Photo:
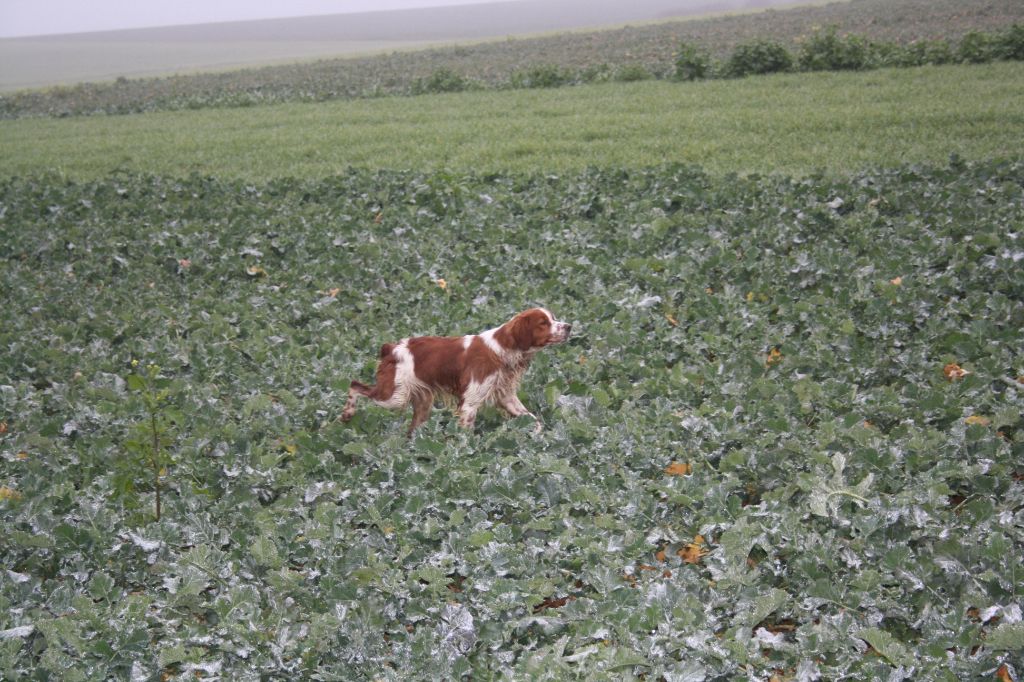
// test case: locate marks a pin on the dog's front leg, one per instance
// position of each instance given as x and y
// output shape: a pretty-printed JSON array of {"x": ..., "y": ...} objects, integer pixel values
[{"x": 514, "y": 407}]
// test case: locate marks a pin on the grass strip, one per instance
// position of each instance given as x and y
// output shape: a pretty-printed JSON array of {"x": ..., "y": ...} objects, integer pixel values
[{"x": 791, "y": 123}]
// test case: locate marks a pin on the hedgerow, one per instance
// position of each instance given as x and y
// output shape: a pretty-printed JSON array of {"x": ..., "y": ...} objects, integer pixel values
[{"x": 828, "y": 51}]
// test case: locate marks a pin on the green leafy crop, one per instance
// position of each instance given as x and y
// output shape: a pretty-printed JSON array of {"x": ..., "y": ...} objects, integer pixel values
[{"x": 785, "y": 440}]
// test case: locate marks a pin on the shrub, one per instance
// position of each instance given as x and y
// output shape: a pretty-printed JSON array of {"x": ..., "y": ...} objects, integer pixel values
[
  {"x": 926, "y": 52},
  {"x": 541, "y": 76},
  {"x": 758, "y": 57},
  {"x": 692, "y": 63},
  {"x": 828, "y": 52},
  {"x": 975, "y": 48},
  {"x": 1010, "y": 44},
  {"x": 632, "y": 72},
  {"x": 442, "y": 80},
  {"x": 596, "y": 73}
]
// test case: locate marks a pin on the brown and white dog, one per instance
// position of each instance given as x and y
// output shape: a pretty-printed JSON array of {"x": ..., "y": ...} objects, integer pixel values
[{"x": 475, "y": 370}]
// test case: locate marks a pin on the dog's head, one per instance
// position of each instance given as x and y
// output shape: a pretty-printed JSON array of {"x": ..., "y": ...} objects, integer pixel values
[{"x": 535, "y": 328}]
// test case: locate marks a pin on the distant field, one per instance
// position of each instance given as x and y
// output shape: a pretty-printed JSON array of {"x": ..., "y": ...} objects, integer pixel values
[
  {"x": 104, "y": 56},
  {"x": 788, "y": 124},
  {"x": 652, "y": 47},
  {"x": 37, "y": 63}
]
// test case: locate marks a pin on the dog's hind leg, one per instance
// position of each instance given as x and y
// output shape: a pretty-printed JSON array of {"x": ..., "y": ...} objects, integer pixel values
[{"x": 422, "y": 402}]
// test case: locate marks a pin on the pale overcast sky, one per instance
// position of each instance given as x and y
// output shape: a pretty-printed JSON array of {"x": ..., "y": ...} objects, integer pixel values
[{"x": 41, "y": 17}]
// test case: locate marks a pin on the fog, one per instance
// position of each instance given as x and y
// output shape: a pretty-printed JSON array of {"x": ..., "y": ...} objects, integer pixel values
[{"x": 49, "y": 17}]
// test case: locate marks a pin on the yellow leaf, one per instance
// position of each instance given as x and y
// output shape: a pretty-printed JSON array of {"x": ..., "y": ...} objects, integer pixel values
[
  {"x": 671, "y": 320},
  {"x": 978, "y": 419},
  {"x": 443, "y": 284},
  {"x": 896, "y": 281},
  {"x": 679, "y": 469},
  {"x": 9, "y": 493},
  {"x": 255, "y": 271},
  {"x": 774, "y": 357},
  {"x": 22, "y": 456},
  {"x": 693, "y": 552},
  {"x": 291, "y": 448},
  {"x": 333, "y": 293},
  {"x": 750, "y": 296}
]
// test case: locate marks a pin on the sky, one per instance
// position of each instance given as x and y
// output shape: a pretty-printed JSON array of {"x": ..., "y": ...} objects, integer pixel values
[{"x": 44, "y": 17}]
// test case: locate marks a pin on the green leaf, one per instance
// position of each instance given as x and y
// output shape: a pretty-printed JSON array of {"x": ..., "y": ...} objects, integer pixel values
[
  {"x": 1006, "y": 637},
  {"x": 264, "y": 550},
  {"x": 886, "y": 645},
  {"x": 765, "y": 605},
  {"x": 737, "y": 542},
  {"x": 172, "y": 655}
]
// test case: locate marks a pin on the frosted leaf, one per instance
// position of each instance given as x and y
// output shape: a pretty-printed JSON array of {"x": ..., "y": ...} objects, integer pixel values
[
  {"x": 649, "y": 302},
  {"x": 456, "y": 630},
  {"x": 144, "y": 544},
  {"x": 23, "y": 631},
  {"x": 18, "y": 577},
  {"x": 770, "y": 640}
]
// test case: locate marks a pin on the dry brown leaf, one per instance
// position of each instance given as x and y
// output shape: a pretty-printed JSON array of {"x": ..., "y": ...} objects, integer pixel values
[
  {"x": 978, "y": 419},
  {"x": 679, "y": 469},
  {"x": 692, "y": 552}
]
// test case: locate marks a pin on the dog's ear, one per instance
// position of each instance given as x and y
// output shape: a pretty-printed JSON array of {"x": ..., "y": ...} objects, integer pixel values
[
  {"x": 524, "y": 329},
  {"x": 522, "y": 332}
]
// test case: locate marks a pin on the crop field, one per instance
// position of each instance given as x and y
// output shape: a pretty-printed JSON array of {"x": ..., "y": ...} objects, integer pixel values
[{"x": 784, "y": 443}]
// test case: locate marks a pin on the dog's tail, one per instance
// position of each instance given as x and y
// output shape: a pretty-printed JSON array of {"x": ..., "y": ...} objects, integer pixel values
[
  {"x": 360, "y": 388},
  {"x": 356, "y": 389}
]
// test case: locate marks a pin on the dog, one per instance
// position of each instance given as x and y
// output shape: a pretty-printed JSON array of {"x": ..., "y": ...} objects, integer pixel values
[{"x": 474, "y": 370}]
